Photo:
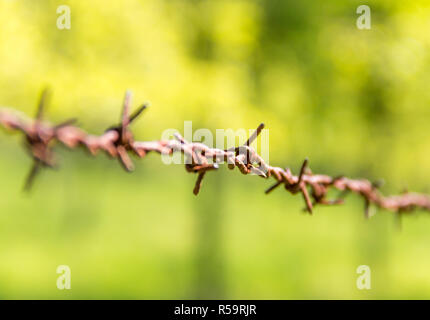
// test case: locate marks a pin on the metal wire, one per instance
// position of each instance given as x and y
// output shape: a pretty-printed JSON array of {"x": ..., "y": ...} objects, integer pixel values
[{"x": 118, "y": 142}]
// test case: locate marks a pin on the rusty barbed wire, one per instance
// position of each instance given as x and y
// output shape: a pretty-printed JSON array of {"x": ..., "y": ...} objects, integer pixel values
[{"x": 118, "y": 141}]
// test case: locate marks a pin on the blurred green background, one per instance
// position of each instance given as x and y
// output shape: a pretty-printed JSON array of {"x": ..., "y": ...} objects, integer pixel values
[{"x": 356, "y": 102}]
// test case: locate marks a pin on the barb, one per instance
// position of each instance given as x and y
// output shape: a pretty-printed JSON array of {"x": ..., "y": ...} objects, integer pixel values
[{"x": 118, "y": 142}]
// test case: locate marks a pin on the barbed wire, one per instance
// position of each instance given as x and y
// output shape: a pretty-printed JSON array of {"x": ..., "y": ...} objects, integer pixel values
[{"x": 118, "y": 142}]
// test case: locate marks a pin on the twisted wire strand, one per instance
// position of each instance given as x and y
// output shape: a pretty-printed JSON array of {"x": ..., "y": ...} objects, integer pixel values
[{"x": 118, "y": 142}]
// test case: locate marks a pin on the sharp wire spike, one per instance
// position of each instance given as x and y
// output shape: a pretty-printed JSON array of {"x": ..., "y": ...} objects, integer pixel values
[
  {"x": 254, "y": 135},
  {"x": 366, "y": 208},
  {"x": 302, "y": 170},
  {"x": 125, "y": 120},
  {"x": 35, "y": 168},
  {"x": 179, "y": 138},
  {"x": 125, "y": 158},
  {"x": 198, "y": 184},
  {"x": 65, "y": 123},
  {"x": 273, "y": 187},
  {"x": 137, "y": 113},
  {"x": 307, "y": 199},
  {"x": 42, "y": 103}
]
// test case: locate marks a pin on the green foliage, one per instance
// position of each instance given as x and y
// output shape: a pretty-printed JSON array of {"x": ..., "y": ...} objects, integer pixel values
[{"x": 354, "y": 101}]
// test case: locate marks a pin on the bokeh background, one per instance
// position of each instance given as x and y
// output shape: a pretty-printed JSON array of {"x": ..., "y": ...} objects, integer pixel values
[{"x": 356, "y": 102}]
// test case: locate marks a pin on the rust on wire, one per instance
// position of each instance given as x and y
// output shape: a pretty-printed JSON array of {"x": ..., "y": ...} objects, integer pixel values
[{"x": 118, "y": 142}]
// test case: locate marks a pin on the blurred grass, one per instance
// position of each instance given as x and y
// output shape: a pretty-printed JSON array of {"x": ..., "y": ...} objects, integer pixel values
[
  {"x": 355, "y": 102},
  {"x": 134, "y": 236}
]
